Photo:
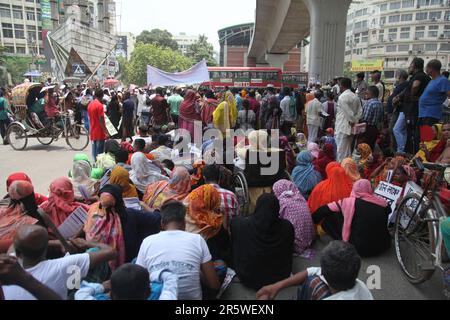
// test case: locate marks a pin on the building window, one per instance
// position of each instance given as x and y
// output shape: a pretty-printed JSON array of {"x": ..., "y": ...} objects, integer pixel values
[
  {"x": 382, "y": 21},
  {"x": 392, "y": 48},
  {"x": 383, "y": 7},
  {"x": 30, "y": 14},
  {"x": 421, "y": 16},
  {"x": 433, "y": 31},
  {"x": 365, "y": 37},
  {"x": 389, "y": 74},
  {"x": 419, "y": 35},
  {"x": 405, "y": 33},
  {"x": 445, "y": 47},
  {"x": 31, "y": 33},
  {"x": 17, "y": 13},
  {"x": 7, "y": 30},
  {"x": 435, "y": 15},
  {"x": 392, "y": 34},
  {"x": 19, "y": 31},
  {"x": 419, "y": 47},
  {"x": 393, "y": 19},
  {"x": 447, "y": 31},
  {"x": 403, "y": 47},
  {"x": 395, "y": 5},
  {"x": 431, "y": 47},
  {"x": 5, "y": 11},
  {"x": 407, "y": 17},
  {"x": 407, "y": 3},
  {"x": 447, "y": 16},
  {"x": 20, "y": 50}
]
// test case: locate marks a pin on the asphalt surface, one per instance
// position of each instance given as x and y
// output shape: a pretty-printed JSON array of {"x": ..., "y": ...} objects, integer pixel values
[{"x": 45, "y": 163}]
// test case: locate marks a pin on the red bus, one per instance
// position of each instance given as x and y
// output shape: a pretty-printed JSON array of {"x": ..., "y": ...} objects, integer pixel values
[
  {"x": 222, "y": 77},
  {"x": 244, "y": 77}
]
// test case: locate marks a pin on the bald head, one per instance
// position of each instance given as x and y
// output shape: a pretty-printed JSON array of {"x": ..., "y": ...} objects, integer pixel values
[{"x": 31, "y": 242}]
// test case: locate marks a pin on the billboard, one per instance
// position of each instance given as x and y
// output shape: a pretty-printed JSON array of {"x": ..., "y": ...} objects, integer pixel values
[
  {"x": 367, "y": 65},
  {"x": 46, "y": 15},
  {"x": 122, "y": 47}
]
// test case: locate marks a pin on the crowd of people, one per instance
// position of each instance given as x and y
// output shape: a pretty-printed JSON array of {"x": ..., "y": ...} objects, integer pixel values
[{"x": 165, "y": 222}]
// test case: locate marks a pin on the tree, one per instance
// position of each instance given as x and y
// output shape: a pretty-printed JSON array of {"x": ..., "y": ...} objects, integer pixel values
[
  {"x": 162, "y": 38},
  {"x": 166, "y": 59},
  {"x": 17, "y": 66},
  {"x": 202, "y": 49}
]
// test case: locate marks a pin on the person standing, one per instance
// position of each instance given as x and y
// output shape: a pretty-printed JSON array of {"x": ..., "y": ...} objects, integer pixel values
[
  {"x": 398, "y": 123},
  {"x": 160, "y": 109},
  {"x": 361, "y": 86},
  {"x": 313, "y": 112},
  {"x": 432, "y": 100},
  {"x": 238, "y": 98},
  {"x": 372, "y": 116},
  {"x": 99, "y": 134},
  {"x": 4, "y": 118},
  {"x": 174, "y": 102},
  {"x": 265, "y": 105},
  {"x": 376, "y": 79},
  {"x": 127, "y": 116},
  {"x": 289, "y": 107},
  {"x": 113, "y": 111},
  {"x": 336, "y": 89},
  {"x": 349, "y": 112},
  {"x": 255, "y": 105},
  {"x": 410, "y": 102},
  {"x": 330, "y": 107}
]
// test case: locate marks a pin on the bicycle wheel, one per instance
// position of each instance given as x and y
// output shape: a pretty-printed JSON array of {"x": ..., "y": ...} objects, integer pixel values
[
  {"x": 77, "y": 138},
  {"x": 242, "y": 193},
  {"x": 17, "y": 137},
  {"x": 415, "y": 239}
]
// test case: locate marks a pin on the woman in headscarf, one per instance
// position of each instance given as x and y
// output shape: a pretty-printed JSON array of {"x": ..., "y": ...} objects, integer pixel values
[
  {"x": 225, "y": 115},
  {"x": 290, "y": 154},
  {"x": 273, "y": 114},
  {"x": 294, "y": 208},
  {"x": 19, "y": 209},
  {"x": 107, "y": 160},
  {"x": 262, "y": 245},
  {"x": 314, "y": 149},
  {"x": 113, "y": 111},
  {"x": 61, "y": 202},
  {"x": 177, "y": 188},
  {"x": 338, "y": 186},
  {"x": 305, "y": 177},
  {"x": 360, "y": 219},
  {"x": 121, "y": 177},
  {"x": 368, "y": 163},
  {"x": 144, "y": 172},
  {"x": 123, "y": 229},
  {"x": 209, "y": 106},
  {"x": 84, "y": 187},
  {"x": 432, "y": 150},
  {"x": 302, "y": 142},
  {"x": 326, "y": 156},
  {"x": 21, "y": 176},
  {"x": 351, "y": 169},
  {"x": 189, "y": 112}
]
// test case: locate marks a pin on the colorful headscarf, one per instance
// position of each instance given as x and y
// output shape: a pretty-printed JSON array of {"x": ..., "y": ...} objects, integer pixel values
[
  {"x": 144, "y": 172},
  {"x": 294, "y": 208},
  {"x": 120, "y": 176},
  {"x": 187, "y": 107},
  {"x": 203, "y": 205},
  {"x": 361, "y": 190},
  {"x": 314, "y": 149},
  {"x": 304, "y": 175},
  {"x": 61, "y": 202},
  {"x": 81, "y": 177},
  {"x": 177, "y": 188},
  {"x": 302, "y": 141},
  {"x": 338, "y": 186},
  {"x": 351, "y": 169},
  {"x": 366, "y": 154},
  {"x": 326, "y": 156},
  {"x": 226, "y": 113}
]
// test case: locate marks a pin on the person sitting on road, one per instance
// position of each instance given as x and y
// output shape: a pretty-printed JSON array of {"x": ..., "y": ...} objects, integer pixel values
[
  {"x": 31, "y": 244},
  {"x": 336, "y": 279},
  {"x": 163, "y": 152}
]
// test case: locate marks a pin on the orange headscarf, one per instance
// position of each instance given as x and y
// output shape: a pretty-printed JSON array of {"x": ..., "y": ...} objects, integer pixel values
[
  {"x": 121, "y": 177},
  {"x": 338, "y": 186},
  {"x": 202, "y": 211},
  {"x": 351, "y": 169}
]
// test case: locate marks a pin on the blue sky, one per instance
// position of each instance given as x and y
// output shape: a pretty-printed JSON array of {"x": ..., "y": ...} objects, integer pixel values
[{"x": 189, "y": 16}]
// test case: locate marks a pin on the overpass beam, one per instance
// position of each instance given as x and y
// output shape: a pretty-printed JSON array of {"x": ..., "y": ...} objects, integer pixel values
[
  {"x": 276, "y": 60},
  {"x": 328, "y": 28}
]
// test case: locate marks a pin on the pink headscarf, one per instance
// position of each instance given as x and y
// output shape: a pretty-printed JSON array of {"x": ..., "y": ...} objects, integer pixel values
[
  {"x": 362, "y": 189},
  {"x": 314, "y": 149},
  {"x": 61, "y": 202},
  {"x": 187, "y": 107}
]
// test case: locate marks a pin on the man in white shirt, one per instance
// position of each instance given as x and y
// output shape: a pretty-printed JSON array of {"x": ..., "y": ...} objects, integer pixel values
[
  {"x": 376, "y": 79},
  {"x": 349, "y": 112},
  {"x": 337, "y": 279},
  {"x": 313, "y": 112},
  {"x": 182, "y": 253},
  {"x": 30, "y": 244},
  {"x": 336, "y": 89}
]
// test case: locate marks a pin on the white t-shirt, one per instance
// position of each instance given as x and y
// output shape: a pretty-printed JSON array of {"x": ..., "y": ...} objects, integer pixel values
[
  {"x": 54, "y": 274},
  {"x": 359, "y": 291},
  {"x": 181, "y": 253}
]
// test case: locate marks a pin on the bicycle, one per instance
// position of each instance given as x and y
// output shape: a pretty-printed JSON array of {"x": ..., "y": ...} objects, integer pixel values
[{"x": 417, "y": 227}]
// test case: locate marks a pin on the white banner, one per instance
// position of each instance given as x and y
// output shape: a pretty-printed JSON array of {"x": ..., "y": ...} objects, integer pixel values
[{"x": 196, "y": 75}]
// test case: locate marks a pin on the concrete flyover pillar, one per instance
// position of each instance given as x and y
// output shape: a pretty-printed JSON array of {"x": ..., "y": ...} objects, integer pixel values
[
  {"x": 276, "y": 60},
  {"x": 328, "y": 27}
]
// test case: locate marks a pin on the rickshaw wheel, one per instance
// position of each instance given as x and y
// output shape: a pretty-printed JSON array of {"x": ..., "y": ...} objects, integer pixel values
[
  {"x": 45, "y": 141},
  {"x": 17, "y": 137}
]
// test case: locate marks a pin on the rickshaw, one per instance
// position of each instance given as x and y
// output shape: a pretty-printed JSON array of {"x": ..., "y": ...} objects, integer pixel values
[{"x": 28, "y": 125}]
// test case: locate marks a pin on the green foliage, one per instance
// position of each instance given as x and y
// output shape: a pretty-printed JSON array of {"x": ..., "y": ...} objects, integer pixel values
[
  {"x": 162, "y": 38},
  {"x": 2, "y": 57},
  {"x": 17, "y": 66},
  {"x": 135, "y": 71},
  {"x": 202, "y": 49}
]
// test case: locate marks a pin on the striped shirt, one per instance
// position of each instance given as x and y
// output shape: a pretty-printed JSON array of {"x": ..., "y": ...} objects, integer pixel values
[
  {"x": 229, "y": 205},
  {"x": 373, "y": 112}
]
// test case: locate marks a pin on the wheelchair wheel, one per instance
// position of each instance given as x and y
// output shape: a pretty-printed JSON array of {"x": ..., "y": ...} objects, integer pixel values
[{"x": 242, "y": 193}]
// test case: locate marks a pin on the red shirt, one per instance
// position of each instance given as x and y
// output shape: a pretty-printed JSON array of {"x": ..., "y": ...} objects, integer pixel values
[{"x": 95, "y": 110}]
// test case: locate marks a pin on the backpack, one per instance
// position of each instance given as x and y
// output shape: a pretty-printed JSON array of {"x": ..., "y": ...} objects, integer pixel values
[{"x": 293, "y": 108}]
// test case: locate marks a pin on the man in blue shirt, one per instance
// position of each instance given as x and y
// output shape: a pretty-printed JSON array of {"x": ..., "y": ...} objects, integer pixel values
[
  {"x": 239, "y": 100},
  {"x": 373, "y": 117},
  {"x": 431, "y": 101}
]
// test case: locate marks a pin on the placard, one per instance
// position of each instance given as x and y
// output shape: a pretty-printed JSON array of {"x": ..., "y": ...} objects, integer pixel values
[
  {"x": 74, "y": 224},
  {"x": 110, "y": 127},
  {"x": 391, "y": 193}
]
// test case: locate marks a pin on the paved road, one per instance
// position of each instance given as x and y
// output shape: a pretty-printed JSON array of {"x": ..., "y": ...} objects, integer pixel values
[{"x": 46, "y": 163}]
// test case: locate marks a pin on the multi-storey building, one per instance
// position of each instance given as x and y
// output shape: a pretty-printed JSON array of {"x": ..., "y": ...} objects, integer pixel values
[
  {"x": 397, "y": 31},
  {"x": 185, "y": 41}
]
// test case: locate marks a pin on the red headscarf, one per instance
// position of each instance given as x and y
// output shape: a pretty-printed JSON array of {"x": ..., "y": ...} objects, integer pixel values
[
  {"x": 21, "y": 176},
  {"x": 326, "y": 156},
  {"x": 338, "y": 186},
  {"x": 187, "y": 107},
  {"x": 61, "y": 202}
]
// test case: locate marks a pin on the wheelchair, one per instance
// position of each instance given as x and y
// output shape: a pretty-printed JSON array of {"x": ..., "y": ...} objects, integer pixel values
[{"x": 253, "y": 179}]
